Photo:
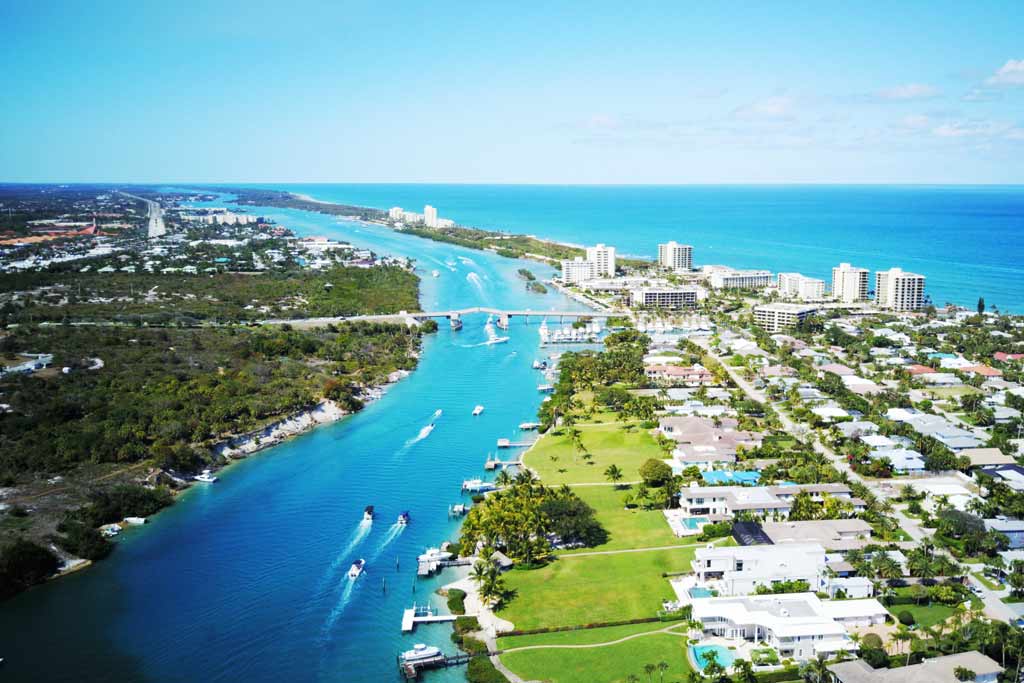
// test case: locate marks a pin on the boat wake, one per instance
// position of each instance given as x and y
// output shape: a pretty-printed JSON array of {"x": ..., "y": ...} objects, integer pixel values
[
  {"x": 394, "y": 532},
  {"x": 339, "y": 607},
  {"x": 475, "y": 280},
  {"x": 357, "y": 537},
  {"x": 437, "y": 414},
  {"x": 467, "y": 261}
]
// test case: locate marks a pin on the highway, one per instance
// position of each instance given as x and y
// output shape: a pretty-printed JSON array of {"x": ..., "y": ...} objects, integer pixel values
[{"x": 157, "y": 227}]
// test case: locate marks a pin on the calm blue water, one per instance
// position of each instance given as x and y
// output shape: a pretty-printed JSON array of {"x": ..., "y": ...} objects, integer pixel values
[
  {"x": 968, "y": 241},
  {"x": 245, "y": 579}
]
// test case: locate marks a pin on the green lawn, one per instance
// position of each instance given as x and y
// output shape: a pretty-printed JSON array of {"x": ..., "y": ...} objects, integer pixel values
[
  {"x": 926, "y": 615},
  {"x": 987, "y": 582},
  {"x": 626, "y": 528},
  {"x": 581, "y": 590},
  {"x": 606, "y": 443},
  {"x": 612, "y": 664},
  {"x": 952, "y": 392}
]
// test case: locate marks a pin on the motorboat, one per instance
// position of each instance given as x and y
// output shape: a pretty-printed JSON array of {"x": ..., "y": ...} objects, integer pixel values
[
  {"x": 528, "y": 426},
  {"x": 403, "y": 518},
  {"x": 478, "y": 410},
  {"x": 456, "y": 323},
  {"x": 420, "y": 652},
  {"x": 545, "y": 388},
  {"x": 206, "y": 477},
  {"x": 434, "y": 555},
  {"x": 368, "y": 513},
  {"x": 477, "y": 486},
  {"x": 356, "y": 569},
  {"x": 435, "y": 273}
]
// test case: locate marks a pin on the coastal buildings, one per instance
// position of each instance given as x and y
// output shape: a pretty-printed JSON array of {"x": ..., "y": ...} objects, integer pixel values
[
  {"x": 778, "y": 317},
  {"x": 740, "y": 570},
  {"x": 937, "y": 670},
  {"x": 578, "y": 271},
  {"x": 673, "y": 298},
  {"x": 680, "y": 375},
  {"x": 675, "y": 256},
  {"x": 797, "y": 286},
  {"x": 395, "y": 213},
  {"x": 899, "y": 290},
  {"x": 603, "y": 258},
  {"x": 849, "y": 284},
  {"x": 764, "y": 501},
  {"x": 430, "y": 216},
  {"x": 723, "y": 277}
]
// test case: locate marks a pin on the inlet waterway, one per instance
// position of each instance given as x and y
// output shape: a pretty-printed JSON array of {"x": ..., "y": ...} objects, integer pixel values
[{"x": 245, "y": 579}]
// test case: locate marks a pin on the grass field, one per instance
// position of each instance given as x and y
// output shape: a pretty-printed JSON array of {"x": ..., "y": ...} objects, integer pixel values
[
  {"x": 626, "y": 528},
  {"x": 612, "y": 663},
  {"x": 581, "y": 590},
  {"x": 608, "y": 444},
  {"x": 952, "y": 392}
]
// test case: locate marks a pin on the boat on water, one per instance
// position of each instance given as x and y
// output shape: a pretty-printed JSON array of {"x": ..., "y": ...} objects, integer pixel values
[
  {"x": 356, "y": 569},
  {"x": 545, "y": 388},
  {"x": 528, "y": 426},
  {"x": 435, "y": 273},
  {"x": 479, "y": 409},
  {"x": 456, "y": 323},
  {"x": 420, "y": 652},
  {"x": 403, "y": 518},
  {"x": 368, "y": 513},
  {"x": 540, "y": 365},
  {"x": 206, "y": 477},
  {"x": 477, "y": 486},
  {"x": 460, "y": 509},
  {"x": 437, "y": 413},
  {"x": 434, "y": 555}
]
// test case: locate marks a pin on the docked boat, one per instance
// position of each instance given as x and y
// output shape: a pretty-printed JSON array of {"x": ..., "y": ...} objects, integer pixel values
[
  {"x": 477, "y": 486},
  {"x": 368, "y": 513},
  {"x": 460, "y": 509},
  {"x": 403, "y": 518},
  {"x": 356, "y": 569},
  {"x": 478, "y": 410},
  {"x": 420, "y": 652},
  {"x": 456, "y": 323},
  {"x": 528, "y": 426},
  {"x": 536, "y": 365},
  {"x": 206, "y": 477},
  {"x": 545, "y": 388},
  {"x": 434, "y": 555}
]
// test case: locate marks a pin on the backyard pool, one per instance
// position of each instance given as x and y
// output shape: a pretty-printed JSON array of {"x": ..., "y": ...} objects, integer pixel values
[
  {"x": 693, "y": 522},
  {"x": 721, "y": 477},
  {"x": 700, "y": 592},
  {"x": 723, "y": 655}
]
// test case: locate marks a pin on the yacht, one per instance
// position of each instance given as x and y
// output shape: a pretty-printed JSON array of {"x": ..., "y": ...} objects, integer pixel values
[
  {"x": 205, "y": 477},
  {"x": 403, "y": 518},
  {"x": 477, "y": 486},
  {"x": 536, "y": 365},
  {"x": 356, "y": 569},
  {"x": 368, "y": 513},
  {"x": 434, "y": 555},
  {"x": 478, "y": 410},
  {"x": 420, "y": 652}
]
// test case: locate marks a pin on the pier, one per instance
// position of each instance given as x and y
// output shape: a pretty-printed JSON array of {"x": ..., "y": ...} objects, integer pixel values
[
  {"x": 498, "y": 464},
  {"x": 411, "y": 670},
  {"x": 508, "y": 443},
  {"x": 430, "y": 567},
  {"x": 422, "y": 614}
]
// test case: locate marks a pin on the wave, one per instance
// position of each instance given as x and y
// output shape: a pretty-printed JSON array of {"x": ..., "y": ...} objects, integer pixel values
[
  {"x": 467, "y": 261},
  {"x": 475, "y": 280},
  {"x": 393, "y": 533},
  {"x": 339, "y": 606}
]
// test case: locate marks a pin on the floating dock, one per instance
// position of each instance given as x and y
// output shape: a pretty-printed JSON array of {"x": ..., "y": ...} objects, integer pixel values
[
  {"x": 497, "y": 464},
  {"x": 422, "y": 614}
]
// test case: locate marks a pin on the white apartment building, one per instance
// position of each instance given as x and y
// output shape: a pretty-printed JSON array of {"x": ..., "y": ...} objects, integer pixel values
[
  {"x": 799, "y": 625},
  {"x": 603, "y": 259},
  {"x": 775, "y": 318},
  {"x": 723, "y": 277},
  {"x": 797, "y": 286},
  {"x": 445, "y": 223},
  {"x": 739, "y": 570},
  {"x": 430, "y": 216},
  {"x": 664, "y": 297},
  {"x": 675, "y": 256},
  {"x": 767, "y": 502},
  {"x": 577, "y": 271},
  {"x": 412, "y": 217},
  {"x": 899, "y": 290},
  {"x": 849, "y": 284},
  {"x": 395, "y": 213}
]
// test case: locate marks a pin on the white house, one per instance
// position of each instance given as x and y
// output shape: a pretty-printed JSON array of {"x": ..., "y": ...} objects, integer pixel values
[{"x": 739, "y": 570}]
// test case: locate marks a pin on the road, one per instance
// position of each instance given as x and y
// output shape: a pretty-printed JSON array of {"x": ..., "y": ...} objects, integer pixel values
[{"x": 157, "y": 227}]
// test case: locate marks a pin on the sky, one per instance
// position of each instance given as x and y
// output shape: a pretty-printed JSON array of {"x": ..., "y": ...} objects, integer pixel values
[{"x": 557, "y": 92}]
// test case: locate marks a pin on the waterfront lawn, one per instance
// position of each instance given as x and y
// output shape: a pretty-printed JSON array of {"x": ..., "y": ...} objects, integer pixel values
[
  {"x": 634, "y": 528},
  {"x": 614, "y": 662},
  {"x": 607, "y": 444},
  {"x": 596, "y": 588}
]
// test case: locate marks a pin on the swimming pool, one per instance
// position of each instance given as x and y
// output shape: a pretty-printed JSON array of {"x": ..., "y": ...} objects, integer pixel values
[
  {"x": 723, "y": 655},
  {"x": 700, "y": 592},
  {"x": 693, "y": 522},
  {"x": 721, "y": 477}
]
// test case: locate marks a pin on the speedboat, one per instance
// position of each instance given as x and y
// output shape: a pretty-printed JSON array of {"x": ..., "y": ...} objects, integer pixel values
[
  {"x": 368, "y": 513},
  {"x": 205, "y": 477},
  {"x": 456, "y": 324},
  {"x": 356, "y": 569},
  {"x": 434, "y": 555},
  {"x": 435, "y": 273},
  {"x": 419, "y": 652},
  {"x": 478, "y": 410},
  {"x": 403, "y": 518},
  {"x": 527, "y": 426}
]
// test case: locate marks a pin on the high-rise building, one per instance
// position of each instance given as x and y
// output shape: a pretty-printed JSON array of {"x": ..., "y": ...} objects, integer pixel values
[
  {"x": 430, "y": 216},
  {"x": 724, "y": 277},
  {"x": 395, "y": 213},
  {"x": 797, "y": 286},
  {"x": 849, "y": 284},
  {"x": 663, "y": 297},
  {"x": 577, "y": 270},
  {"x": 675, "y": 256},
  {"x": 603, "y": 259},
  {"x": 775, "y": 318},
  {"x": 898, "y": 290}
]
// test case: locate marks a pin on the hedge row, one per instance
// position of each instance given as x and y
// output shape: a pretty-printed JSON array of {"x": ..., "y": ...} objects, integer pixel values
[{"x": 674, "y": 616}]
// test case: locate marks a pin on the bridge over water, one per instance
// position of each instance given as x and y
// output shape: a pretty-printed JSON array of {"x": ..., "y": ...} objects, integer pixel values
[{"x": 502, "y": 315}]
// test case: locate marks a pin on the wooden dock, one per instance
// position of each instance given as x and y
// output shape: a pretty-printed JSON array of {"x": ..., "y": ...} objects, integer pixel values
[
  {"x": 498, "y": 464},
  {"x": 411, "y": 670},
  {"x": 429, "y": 567},
  {"x": 508, "y": 443},
  {"x": 422, "y": 614}
]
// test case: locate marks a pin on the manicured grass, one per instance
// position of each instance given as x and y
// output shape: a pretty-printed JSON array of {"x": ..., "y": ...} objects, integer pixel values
[
  {"x": 613, "y": 663},
  {"x": 952, "y": 392},
  {"x": 608, "y": 444},
  {"x": 633, "y": 528},
  {"x": 585, "y": 636},
  {"x": 926, "y": 615},
  {"x": 582, "y": 590},
  {"x": 987, "y": 582}
]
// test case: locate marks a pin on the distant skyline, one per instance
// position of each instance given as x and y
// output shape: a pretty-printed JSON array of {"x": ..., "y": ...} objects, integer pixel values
[{"x": 596, "y": 92}]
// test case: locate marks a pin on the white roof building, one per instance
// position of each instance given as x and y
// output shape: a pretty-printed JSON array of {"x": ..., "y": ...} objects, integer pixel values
[{"x": 739, "y": 570}]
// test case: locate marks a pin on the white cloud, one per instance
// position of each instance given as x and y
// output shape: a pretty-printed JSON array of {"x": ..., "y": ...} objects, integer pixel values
[
  {"x": 915, "y": 122},
  {"x": 1011, "y": 73},
  {"x": 775, "y": 107},
  {"x": 909, "y": 91}
]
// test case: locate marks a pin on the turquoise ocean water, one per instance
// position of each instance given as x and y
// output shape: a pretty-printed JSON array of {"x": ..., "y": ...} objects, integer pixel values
[{"x": 244, "y": 579}]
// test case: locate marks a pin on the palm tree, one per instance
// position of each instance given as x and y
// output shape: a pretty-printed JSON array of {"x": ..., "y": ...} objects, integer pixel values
[
  {"x": 632, "y": 678},
  {"x": 503, "y": 479},
  {"x": 613, "y": 474},
  {"x": 817, "y": 671},
  {"x": 744, "y": 671},
  {"x": 649, "y": 669},
  {"x": 662, "y": 668}
]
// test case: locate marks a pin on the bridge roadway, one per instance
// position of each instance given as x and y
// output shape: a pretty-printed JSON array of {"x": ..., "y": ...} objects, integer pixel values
[{"x": 402, "y": 316}]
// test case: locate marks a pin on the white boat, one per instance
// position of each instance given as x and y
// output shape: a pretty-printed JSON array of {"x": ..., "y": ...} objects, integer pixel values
[
  {"x": 536, "y": 365},
  {"x": 205, "y": 477},
  {"x": 135, "y": 520},
  {"x": 425, "y": 432},
  {"x": 437, "y": 413},
  {"x": 435, "y": 273},
  {"x": 477, "y": 486},
  {"x": 478, "y": 410},
  {"x": 434, "y": 555},
  {"x": 420, "y": 652},
  {"x": 356, "y": 569},
  {"x": 527, "y": 426},
  {"x": 456, "y": 323},
  {"x": 545, "y": 388},
  {"x": 460, "y": 509},
  {"x": 403, "y": 518},
  {"x": 368, "y": 513}
]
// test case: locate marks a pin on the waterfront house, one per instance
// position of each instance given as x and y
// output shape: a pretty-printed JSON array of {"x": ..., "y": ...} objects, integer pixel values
[
  {"x": 1013, "y": 529},
  {"x": 938, "y": 670},
  {"x": 832, "y": 534},
  {"x": 680, "y": 375},
  {"x": 763, "y": 501},
  {"x": 739, "y": 570}
]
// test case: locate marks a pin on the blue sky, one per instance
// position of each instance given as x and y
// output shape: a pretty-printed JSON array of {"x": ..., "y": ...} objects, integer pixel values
[{"x": 589, "y": 92}]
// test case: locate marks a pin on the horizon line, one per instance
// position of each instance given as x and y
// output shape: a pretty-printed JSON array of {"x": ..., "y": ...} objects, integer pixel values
[{"x": 507, "y": 184}]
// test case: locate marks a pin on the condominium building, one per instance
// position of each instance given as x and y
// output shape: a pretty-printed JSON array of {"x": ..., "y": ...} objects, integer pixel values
[
  {"x": 395, "y": 213},
  {"x": 577, "y": 270},
  {"x": 797, "y": 286},
  {"x": 412, "y": 217},
  {"x": 603, "y": 259},
  {"x": 675, "y": 256},
  {"x": 899, "y": 290},
  {"x": 849, "y": 284},
  {"x": 740, "y": 570},
  {"x": 430, "y": 216},
  {"x": 663, "y": 297},
  {"x": 723, "y": 277},
  {"x": 775, "y": 318}
]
